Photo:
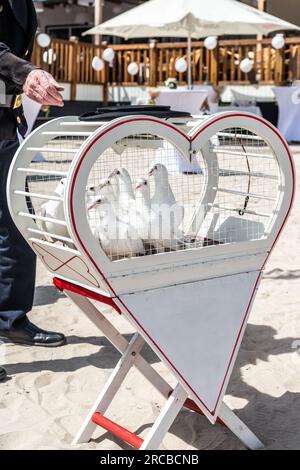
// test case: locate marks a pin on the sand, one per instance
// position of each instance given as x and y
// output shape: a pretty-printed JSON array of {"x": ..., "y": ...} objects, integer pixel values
[{"x": 49, "y": 391}]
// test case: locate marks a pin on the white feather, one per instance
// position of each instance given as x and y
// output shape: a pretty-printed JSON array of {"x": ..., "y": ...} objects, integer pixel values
[
  {"x": 117, "y": 238},
  {"x": 55, "y": 210},
  {"x": 147, "y": 221},
  {"x": 170, "y": 213}
]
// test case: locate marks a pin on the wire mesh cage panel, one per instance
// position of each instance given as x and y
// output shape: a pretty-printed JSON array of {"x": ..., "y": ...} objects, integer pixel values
[
  {"x": 146, "y": 192},
  {"x": 42, "y": 174},
  {"x": 249, "y": 181},
  {"x": 150, "y": 198},
  {"x": 46, "y": 178},
  {"x": 36, "y": 192}
]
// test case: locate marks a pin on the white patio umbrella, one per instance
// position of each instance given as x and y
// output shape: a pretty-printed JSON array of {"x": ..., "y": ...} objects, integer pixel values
[{"x": 191, "y": 19}]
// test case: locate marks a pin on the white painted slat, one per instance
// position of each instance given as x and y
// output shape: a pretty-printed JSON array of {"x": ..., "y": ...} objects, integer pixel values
[
  {"x": 240, "y": 136},
  {"x": 226, "y": 172},
  {"x": 165, "y": 419},
  {"x": 67, "y": 134},
  {"x": 239, "y": 428},
  {"x": 84, "y": 123},
  {"x": 52, "y": 150},
  {"x": 45, "y": 219},
  {"x": 243, "y": 193},
  {"x": 51, "y": 235},
  {"x": 36, "y": 171},
  {"x": 110, "y": 389},
  {"x": 38, "y": 195},
  {"x": 242, "y": 154},
  {"x": 246, "y": 211}
]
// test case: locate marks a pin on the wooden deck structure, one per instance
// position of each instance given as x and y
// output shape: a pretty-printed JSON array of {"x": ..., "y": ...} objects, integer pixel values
[{"x": 72, "y": 63}]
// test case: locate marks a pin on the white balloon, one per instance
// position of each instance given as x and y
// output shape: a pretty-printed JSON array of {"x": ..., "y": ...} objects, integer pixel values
[
  {"x": 108, "y": 54},
  {"x": 133, "y": 68},
  {"x": 97, "y": 64},
  {"x": 246, "y": 65},
  {"x": 278, "y": 41},
  {"x": 181, "y": 65},
  {"x": 49, "y": 57},
  {"x": 43, "y": 40},
  {"x": 211, "y": 42}
]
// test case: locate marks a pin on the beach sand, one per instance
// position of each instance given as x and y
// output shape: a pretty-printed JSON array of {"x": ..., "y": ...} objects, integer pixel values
[{"x": 49, "y": 391}]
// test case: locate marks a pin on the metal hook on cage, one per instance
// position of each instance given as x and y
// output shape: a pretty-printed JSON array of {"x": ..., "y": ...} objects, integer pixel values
[
  {"x": 242, "y": 211},
  {"x": 247, "y": 198}
]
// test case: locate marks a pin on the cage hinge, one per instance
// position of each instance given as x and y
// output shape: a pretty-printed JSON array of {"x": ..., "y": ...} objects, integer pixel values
[{"x": 192, "y": 152}]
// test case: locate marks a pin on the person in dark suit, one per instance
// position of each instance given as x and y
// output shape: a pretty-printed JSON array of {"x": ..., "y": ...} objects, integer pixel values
[{"x": 18, "y": 24}]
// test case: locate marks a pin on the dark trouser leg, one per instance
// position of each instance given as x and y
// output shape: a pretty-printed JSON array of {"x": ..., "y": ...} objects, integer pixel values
[{"x": 17, "y": 260}]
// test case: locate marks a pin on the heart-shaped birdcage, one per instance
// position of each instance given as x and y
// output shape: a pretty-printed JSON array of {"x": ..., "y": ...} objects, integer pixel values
[{"x": 175, "y": 226}]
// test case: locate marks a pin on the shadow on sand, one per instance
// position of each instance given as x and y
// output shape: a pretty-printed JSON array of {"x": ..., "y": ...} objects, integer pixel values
[{"x": 274, "y": 420}]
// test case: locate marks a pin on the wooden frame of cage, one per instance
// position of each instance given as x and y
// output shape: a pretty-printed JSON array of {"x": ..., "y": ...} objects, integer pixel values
[{"x": 119, "y": 280}]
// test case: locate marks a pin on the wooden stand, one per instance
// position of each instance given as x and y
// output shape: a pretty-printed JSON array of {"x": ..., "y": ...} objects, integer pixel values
[{"x": 176, "y": 399}]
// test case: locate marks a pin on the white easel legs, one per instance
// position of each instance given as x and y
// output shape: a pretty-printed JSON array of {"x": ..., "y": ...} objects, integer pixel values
[
  {"x": 176, "y": 398},
  {"x": 237, "y": 427},
  {"x": 165, "y": 419}
]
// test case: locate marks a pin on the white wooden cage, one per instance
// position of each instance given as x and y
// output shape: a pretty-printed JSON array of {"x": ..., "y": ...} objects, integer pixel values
[{"x": 170, "y": 224}]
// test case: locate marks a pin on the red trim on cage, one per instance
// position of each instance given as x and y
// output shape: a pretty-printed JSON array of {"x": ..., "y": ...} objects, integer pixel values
[
  {"x": 191, "y": 405},
  {"x": 212, "y": 412},
  {"x": 117, "y": 430},
  {"x": 66, "y": 285},
  {"x": 64, "y": 263}
]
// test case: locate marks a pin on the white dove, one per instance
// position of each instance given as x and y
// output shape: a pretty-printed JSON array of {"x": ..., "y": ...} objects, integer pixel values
[
  {"x": 148, "y": 222},
  {"x": 117, "y": 238},
  {"x": 126, "y": 208},
  {"x": 92, "y": 192},
  {"x": 163, "y": 193},
  {"x": 55, "y": 210},
  {"x": 164, "y": 204},
  {"x": 107, "y": 189},
  {"x": 96, "y": 215},
  {"x": 126, "y": 193},
  {"x": 143, "y": 208}
]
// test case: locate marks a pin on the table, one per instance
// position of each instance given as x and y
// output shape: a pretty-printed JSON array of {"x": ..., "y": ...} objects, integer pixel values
[
  {"x": 212, "y": 96},
  {"x": 288, "y": 99},
  {"x": 248, "y": 94},
  {"x": 189, "y": 101},
  {"x": 248, "y": 109},
  {"x": 31, "y": 111}
]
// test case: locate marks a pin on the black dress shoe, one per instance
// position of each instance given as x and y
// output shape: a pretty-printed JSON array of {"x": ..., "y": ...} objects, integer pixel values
[
  {"x": 25, "y": 332},
  {"x": 3, "y": 374}
]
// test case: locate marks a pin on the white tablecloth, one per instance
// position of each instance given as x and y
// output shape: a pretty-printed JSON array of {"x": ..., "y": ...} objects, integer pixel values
[
  {"x": 288, "y": 99},
  {"x": 212, "y": 96},
  {"x": 31, "y": 112},
  {"x": 189, "y": 101},
  {"x": 248, "y": 109},
  {"x": 248, "y": 94}
]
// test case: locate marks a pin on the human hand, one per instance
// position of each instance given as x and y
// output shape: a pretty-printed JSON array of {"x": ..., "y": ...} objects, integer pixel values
[{"x": 41, "y": 87}]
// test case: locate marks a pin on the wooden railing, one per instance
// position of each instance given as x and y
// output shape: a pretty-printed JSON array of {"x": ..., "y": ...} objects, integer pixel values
[{"x": 72, "y": 62}]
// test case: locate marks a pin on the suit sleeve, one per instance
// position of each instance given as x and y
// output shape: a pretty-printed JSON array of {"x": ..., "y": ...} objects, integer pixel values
[{"x": 13, "y": 70}]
